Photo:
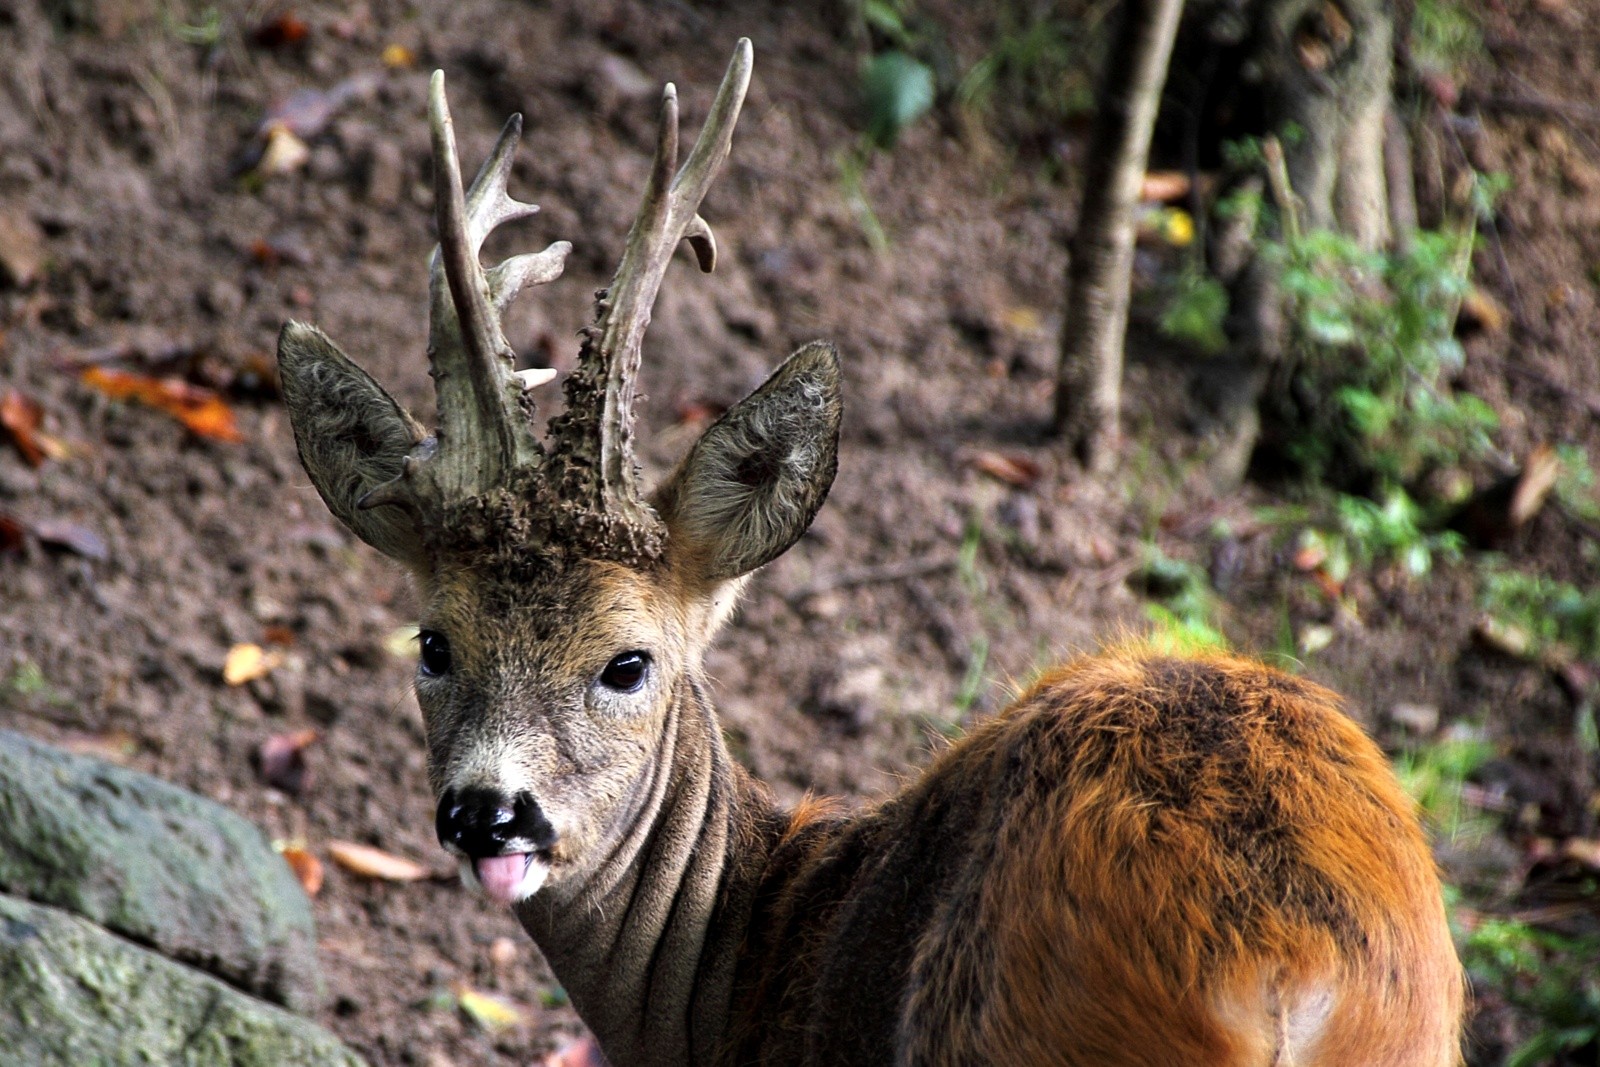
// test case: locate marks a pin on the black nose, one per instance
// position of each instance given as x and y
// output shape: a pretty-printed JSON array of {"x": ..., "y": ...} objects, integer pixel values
[{"x": 487, "y": 822}]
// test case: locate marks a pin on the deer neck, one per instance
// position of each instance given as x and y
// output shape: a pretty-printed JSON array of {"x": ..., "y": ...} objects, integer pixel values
[{"x": 646, "y": 948}]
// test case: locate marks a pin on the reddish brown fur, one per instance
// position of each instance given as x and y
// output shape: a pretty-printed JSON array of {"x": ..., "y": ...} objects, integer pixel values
[{"x": 1147, "y": 861}]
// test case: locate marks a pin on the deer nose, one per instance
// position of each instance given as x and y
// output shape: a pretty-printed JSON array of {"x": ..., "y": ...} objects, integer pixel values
[{"x": 481, "y": 822}]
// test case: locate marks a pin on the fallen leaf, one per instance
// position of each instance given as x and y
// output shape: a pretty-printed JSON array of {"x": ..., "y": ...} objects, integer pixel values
[
  {"x": 288, "y": 28},
  {"x": 13, "y": 535},
  {"x": 247, "y": 662},
  {"x": 1585, "y": 850},
  {"x": 307, "y": 112},
  {"x": 399, "y": 57},
  {"x": 1164, "y": 186},
  {"x": 201, "y": 410},
  {"x": 489, "y": 1011},
  {"x": 281, "y": 760},
  {"x": 1539, "y": 476},
  {"x": 1503, "y": 637},
  {"x": 284, "y": 152},
  {"x": 1310, "y": 556},
  {"x": 21, "y": 416},
  {"x": 72, "y": 536},
  {"x": 278, "y": 635},
  {"x": 1019, "y": 471},
  {"x": 375, "y": 863},
  {"x": 1481, "y": 311},
  {"x": 114, "y": 746},
  {"x": 306, "y": 867},
  {"x": 582, "y": 1052}
]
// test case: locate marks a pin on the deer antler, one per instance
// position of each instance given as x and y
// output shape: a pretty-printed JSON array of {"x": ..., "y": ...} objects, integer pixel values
[
  {"x": 485, "y": 429},
  {"x": 591, "y": 470}
]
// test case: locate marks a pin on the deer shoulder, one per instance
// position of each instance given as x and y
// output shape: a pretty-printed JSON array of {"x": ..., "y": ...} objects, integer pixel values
[{"x": 1145, "y": 860}]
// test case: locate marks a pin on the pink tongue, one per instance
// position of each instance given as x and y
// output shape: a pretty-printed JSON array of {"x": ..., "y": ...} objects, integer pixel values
[{"x": 501, "y": 875}]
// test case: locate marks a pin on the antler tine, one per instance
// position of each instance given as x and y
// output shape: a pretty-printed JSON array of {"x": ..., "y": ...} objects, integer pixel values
[
  {"x": 480, "y": 409},
  {"x": 592, "y": 441}
]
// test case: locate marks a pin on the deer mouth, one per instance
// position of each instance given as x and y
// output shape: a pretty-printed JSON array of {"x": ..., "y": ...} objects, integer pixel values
[{"x": 510, "y": 878}]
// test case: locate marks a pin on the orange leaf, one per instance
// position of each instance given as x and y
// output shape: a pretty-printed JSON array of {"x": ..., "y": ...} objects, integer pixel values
[
  {"x": 375, "y": 863},
  {"x": 306, "y": 867},
  {"x": 21, "y": 416},
  {"x": 200, "y": 409},
  {"x": 1019, "y": 471},
  {"x": 1164, "y": 186}
]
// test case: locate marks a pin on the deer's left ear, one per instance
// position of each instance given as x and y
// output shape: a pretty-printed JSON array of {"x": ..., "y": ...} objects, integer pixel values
[{"x": 754, "y": 481}]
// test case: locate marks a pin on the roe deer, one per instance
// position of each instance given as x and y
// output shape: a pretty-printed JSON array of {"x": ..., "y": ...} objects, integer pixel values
[{"x": 1145, "y": 860}]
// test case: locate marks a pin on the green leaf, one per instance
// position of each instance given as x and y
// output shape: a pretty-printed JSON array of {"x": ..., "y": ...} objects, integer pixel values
[{"x": 898, "y": 91}]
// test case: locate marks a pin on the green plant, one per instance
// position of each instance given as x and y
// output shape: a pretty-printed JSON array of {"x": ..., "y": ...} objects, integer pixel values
[
  {"x": 1362, "y": 533},
  {"x": 1036, "y": 64},
  {"x": 1550, "y": 614},
  {"x": 1368, "y": 391},
  {"x": 1195, "y": 306},
  {"x": 1184, "y": 608},
  {"x": 1434, "y": 775},
  {"x": 1545, "y": 975},
  {"x": 1444, "y": 36},
  {"x": 1575, "y": 484}
]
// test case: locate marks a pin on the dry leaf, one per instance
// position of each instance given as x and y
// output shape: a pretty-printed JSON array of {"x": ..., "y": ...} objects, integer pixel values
[
  {"x": 1585, "y": 850},
  {"x": 1503, "y": 637},
  {"x": 399, "y": 57},
  {"x": 72, "y": 536},
  {"x": 284, "y": 152},
  {"x": 13, "y": 535},
  {"x": 114, "y": 746},
  {"x": 281, "y": 760},
  {"x": 246, "y": 663},
  {"x": 306, "y": 867},
  {"x": 200, "y": 409},
  {"x": 286, "y": 29},
  {"x": 21, "y": 417},
  {"x": 489, "y": 1011},
  {"x": 1482, "y": 311},
  {"x": 1539, "y": 476},
  {"x": 1310, "y": 556},
  {"x": 1019, "y": 471},
  {"x": 1164, "y": 186},
  {"x": 278, "y": 635},
  {"x": 375, "y": 863},
  {"x": 583, "y": 1052}
]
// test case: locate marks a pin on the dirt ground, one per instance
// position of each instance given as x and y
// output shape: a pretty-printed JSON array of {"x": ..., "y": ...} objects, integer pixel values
[{"x": 125, "y": 133}]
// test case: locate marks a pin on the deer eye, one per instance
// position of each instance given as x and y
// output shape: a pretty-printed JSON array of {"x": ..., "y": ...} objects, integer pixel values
[
  {"x": 435, "y": 658},
  {"x": 625, "y": 672}
]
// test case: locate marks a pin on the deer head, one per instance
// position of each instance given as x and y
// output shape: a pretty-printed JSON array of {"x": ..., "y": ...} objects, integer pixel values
[{"x": 565, "y": 610}]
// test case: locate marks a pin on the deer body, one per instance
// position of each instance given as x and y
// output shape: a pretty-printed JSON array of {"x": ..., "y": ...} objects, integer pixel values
[{"x": 1145, "y": 860}]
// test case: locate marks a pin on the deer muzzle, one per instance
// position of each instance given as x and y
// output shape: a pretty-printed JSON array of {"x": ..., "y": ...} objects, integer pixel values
[{"x": 503, "y": 840}]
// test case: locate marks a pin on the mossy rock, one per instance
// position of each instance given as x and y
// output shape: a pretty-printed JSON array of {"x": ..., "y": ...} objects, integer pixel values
[
  {"x": 76, "y": 995},
  {"x": 157, "y": 864}
]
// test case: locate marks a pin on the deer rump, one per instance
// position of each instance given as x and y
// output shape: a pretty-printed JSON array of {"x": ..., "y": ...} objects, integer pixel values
[{"x": 1144, "y": 860}]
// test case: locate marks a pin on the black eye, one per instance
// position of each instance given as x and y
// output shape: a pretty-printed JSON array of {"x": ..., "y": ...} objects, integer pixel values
[
  {"x": 625, "y": 672},
  {"x": 435, "y": 653}
]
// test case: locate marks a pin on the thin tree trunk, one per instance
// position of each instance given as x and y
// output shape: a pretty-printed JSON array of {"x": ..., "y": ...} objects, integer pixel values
[{"x": 1089, "y": 378}]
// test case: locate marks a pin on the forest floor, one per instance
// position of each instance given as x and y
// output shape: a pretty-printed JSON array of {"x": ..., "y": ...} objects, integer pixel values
[{"x": 958, "y": 553}]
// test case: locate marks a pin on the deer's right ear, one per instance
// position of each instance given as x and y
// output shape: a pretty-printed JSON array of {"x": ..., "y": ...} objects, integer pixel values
[{"x": 351, "y": 435}]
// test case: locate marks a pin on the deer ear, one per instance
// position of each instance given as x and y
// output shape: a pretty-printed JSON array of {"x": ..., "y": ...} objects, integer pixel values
[
  {"x": 351, "y": 435},
  {"x": 754, "y": 481}
]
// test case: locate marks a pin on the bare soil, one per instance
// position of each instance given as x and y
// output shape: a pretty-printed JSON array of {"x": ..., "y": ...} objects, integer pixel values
[{"x": 122, "y": 129}]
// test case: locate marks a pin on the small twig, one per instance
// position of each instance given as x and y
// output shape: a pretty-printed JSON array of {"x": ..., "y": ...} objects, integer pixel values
[
  {"x": 1282, "y": 191},
  {"x": 888, "y": 572}
]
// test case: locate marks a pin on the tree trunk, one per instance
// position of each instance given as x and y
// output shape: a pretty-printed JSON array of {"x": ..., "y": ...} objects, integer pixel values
[
  {"x": 1327, "y": 68},
  {"x": 1089, "y": 377}
]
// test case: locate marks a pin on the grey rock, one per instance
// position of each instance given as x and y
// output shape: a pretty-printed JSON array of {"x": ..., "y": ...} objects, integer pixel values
[
  {"x": 76, "y": 994},
  {"x": 157, "y": 864}
]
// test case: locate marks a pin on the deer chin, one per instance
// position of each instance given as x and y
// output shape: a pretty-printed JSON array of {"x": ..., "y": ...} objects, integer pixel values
[{"x": 507, "y": 879}]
